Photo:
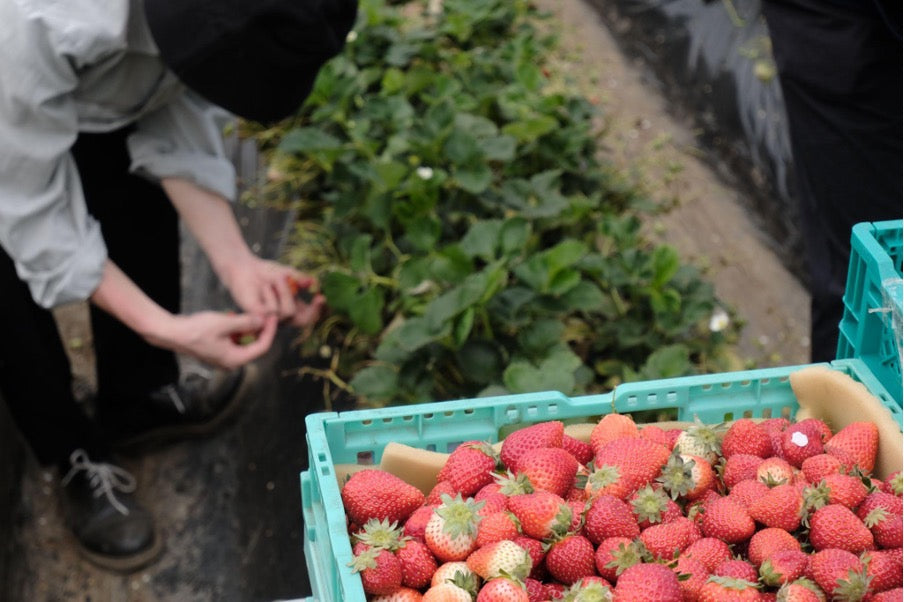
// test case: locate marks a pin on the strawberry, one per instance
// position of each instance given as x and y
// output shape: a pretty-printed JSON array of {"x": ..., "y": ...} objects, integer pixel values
[
  {"x": 884, "y": 570},
  {"x": 656, "y": 435},
  {"x": 838, "y": 573},
  {"x": 846, "y": 490},
  {"x": 801, "y": 441},
  {"x": 375, "y": 493},
  {"x": 801, "y": 590},
  {"x": 740, "y": 467},
  {"x": 497, "y": 527},
  {"x": 503, "y": 589},
  {"x": 469, "y": 467},
  {"x": 451, "y": 533},
  {"x": 887, "y": 528},
  {"x": 692, "y": 575},
  {"x": 581, "y": 450},
  {"x": 455, "y": 572},
  {"x": 726, "y": 519},
  {"x": 492, "y": 503},
  {"x": 748, "y": 491},
  {"x": 403, "y": 594},
  {"x": 417, "y": 522},
  {"x": 623, "y": 466},
  {"x": 818, "y": 466},
  {"x": 578, "y": 509},
  {"x": 435, "y": 495},
  {"x": 542, "y": 514},
  {"x": 858, "y": 440},
  {"x": 536, "y": 591},
  {"x": 746, "y": 436},
  {"x": 380, "y": 534},
  {"x": 891, "y": 595},
  {"x": 728, "y": 589},
  {"x": 611, "y": 427},
  {"x": 775, "y": 471},
  {"x": 652, "y": 506},
  {"x": 418, "y": 563},
  {"x": 607, "y": 517},
  {"x": 542, "y": 434},
  {"x": 767, "y": 542},
  {"x": 555, "y": 591},
  {"x": 879, "y": 499},
  {"x": 447, "y": 592},
  {"x": 737, "y": 568},
  {"x": 783, "y": 566},
  {"x": 614, "y": 554},
  {"x": 818, "y": 426},
  {"x": 381, "y": 571},
  {"x": 835, "y": 526},
  {"x": 648, "y": 581},
  {"x": 695, "y": 479},
  {"x": 667, "y": 540},
  {"x": 548, "y": 468},
  {"x": 571, "y": 559},
  {"x": 709, "y": 551},
  {"x": 589, "y": 588},
  {"x": 500, "y": 558},
  {"x": 894, "y": 483},
  {"x": 700, "y": 440},
  {"x": 537, "y": 551},
  {"x": 780, "y": 507}
]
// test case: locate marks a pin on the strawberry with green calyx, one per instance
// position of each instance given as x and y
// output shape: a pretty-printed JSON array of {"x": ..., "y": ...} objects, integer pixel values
[
  {"x": 839, "y": 573},
  {"x": 767, "y": 542},
  {"x": 503, "y": 589},
  {"x": 451, "y": 533},
  {"x": 687, "y": 477},
  {"x": 746, "y": 436},
  {"x": 570, "y": 559},
  {"x": 542, "y": 514},
  {"x": 711, "y": 552},
  {"x": 879, "y": 499},
  {"x": 883, "y": 568},
  {"x": 614, "y": 554},
  {"x": 537, "y": 551},
  {"x": 646, "y": 582},
  {"x": 381, "y": 534},
  {"x": 728, "y": 589},
  {"x": 469, "y": 467},
  {"x": 418, "y": 563},
  {"x": 542, "y": 434},
  {"x": 894, "y": 483},
  {"x": 800, "y": 590},
  {"x": 702, "y": 440},
  {"x": 781, "y": 506},
  {"x": 692, "y": 575},
  {"x": 726, "y": 519},
  {"x": 887, "y": 528},
  {"x": 511, "y": 483},
  {"x": 651, "y": 505},
  {"x": 623, "y": 466},
  {"x": 608, "y": 516},
  {"x": 435, "y": 495},
  {"x": 500, "y": 558},
  {"x": 403, "y": 594},
  {"x": 847, "y": 490},
  {"x": 380, "y": 570},
  {"x": 783, "y": 566},
  {"x": 375, "y": 493},
  {"x": 457, "y": 573},
  {"x": 587, "y": 590},
  {"x": 835, "y": 526},
  {"x": 859, "y": 441},
  {"x": 447, "y": 592},
  {"x": 775, "y": 471},
  {"x": 548, "y": 468}
]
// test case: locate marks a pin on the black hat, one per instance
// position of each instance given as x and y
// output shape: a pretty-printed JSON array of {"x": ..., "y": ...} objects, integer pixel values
[{"x": 255, "y": 58}]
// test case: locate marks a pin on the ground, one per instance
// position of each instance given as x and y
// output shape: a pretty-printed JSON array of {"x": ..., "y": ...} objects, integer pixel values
[{"x": 205, "y": 560}]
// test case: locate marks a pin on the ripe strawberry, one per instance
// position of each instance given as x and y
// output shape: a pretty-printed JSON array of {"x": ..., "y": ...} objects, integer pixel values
[
  {"x": 555, "y": 591},
  {"x": 537, "y": 551},
  {"x": 435, "y": 495},
  {"x": 728, "y": 589},
  {"x": 503, "y": 589},
  {"x": 648, "y": 581},
  {"x": 846, "y": 490},
  {"x": 775, "y": 425},
  {"x": 726, "y": 519},
  {"x": 417, "y": 522},
  {"x": 418, "y": 563},
  {"x": 801, "y": 590},
  {"x": 447, "y": 592},
  {"x": 536, "y": 591},
  {"x": 611, "y": 427},
  {"x": 780, "y": 507},
  {"x": 492, "y": 503},
  {"x": 656, "y": 435},
  {"x": 542, "y": 434},
  {"x": 469, "y": 467},
  {"x": 709, "y": 551},
  {"x": 891, "y": 595},
  {"x": 456, "y": 572},
  {"x": 801, "y": 441},
  {"x": 766, "y": 542},
  {"x": 894, "y": 483},
  {"x": 884, "y": 570},
  {"x": 835, "y": 526},
  {"x": 887, "y": 528},
  {"x": 737, "y": 568},
  {"x": 581, "y": 450},
  {"x": 571, "y": 559},
  {"x": 607, "y": 517},
  {"x": 667, "y": 540},
  {"x": 783, "y": 566},
  {"x": 497, "y": 527},
  {"x": 548, "y": 468},
  {"x": 651, "y": 506},
  {"x": 818, "y": 466},
  {"x": 500, "y": 558},
  {"x": 623, "y": 466},
  {"x": 775, "y": 471},
  {"x": 740, "y": 467},
  {"x": 614, "y": 554},
  {"x": 578, "y": 509},
  {"x": 403, "y": 594},
  {"x": 746, "y": 436},
  {"x": 542, "y": 514},
  {"x": 818, "y": 426},
  {"x": 381, "y": 571},
  {"x": 858, "y": 440},
  {"x": 700, "y": 440},
  {"x": 879, "y": 499},
  {"x": 748, "y": 491},
  {"x": 451, "y": 533},
  {"x": 687, "y": 477},
  {"x": 838, "y": 573},
  {"x": 375, "y": 493},
  {"x": 692, "y": 575}
]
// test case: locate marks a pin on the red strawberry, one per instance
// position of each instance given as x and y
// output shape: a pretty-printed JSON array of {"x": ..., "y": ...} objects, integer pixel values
[
  {"x": 740, "y": 467},
  {"x": 537, "y": 551},
  {"x": 737, "y": 568},
  {"x": 381, "y": 571},
  {"x": 607, "y": 517},
  {"x": 838, "y": 572},
  {"x": 542, "y": 434},
  {"x": 879, "y": 499},
  {"x": 783, "y": 566},
  {"x": 418, "y": 563},
  {"x": 656, "y": 435},
  {"x": 648, "y": 581},
  {"x": 417, "y": 522},
  {"x": 497, "y": 527},
  {"x": 469, "y": 467},
  {"x": 894, "y": 483},
  {"x": 728, "y": 589},
  {"x": 614, "y": 554},
  {"x": 892, "y": 595},
  {"x": 503, "y": 589},
  {"x": 767, "y": 542},
  {"x": 548, "y": 468},
  {"x": 802, "y": 590},
  {"x": 687, "y": 477},
  {"x": 375, "y": 493},
  {"x": 555, "y": 591},
  {"x": 780, "y": 507},
  {"x": 887, "y": 528},
  {"x": 726, "y": 519},
  {"x": 858, "y": 440},
  {"x": 745, "y": 436},
  {"x": 623, "y": 466},
  {"x": 775, "y": 471},
  {"x": 692, "y": 575},
  {"x": 667, "y": 540},
  {"x": 542, "y": 514},
  {"x": 571, "y": 559},
  {"x": 818, "y": 466},
  {"x": 748, "y": 491},
  {"x": 492, "y": 503},
  {"x": 652, "y": 506},
  {"x": 818, "y": 426},
  {"x": 582, "y": 451},
  {"x": 500, "y": 558},
  {"x": 536, "y": 591},
  {"x": 711, "y": 552},
  {"x": 403, "y": 594},
  {"x": 611, "y": 427},
  {"x": 884, "y": 570},
  {"x": 435, "y": 496},
  {"x": 835, "y": 526},
  {"x": 846, "y": 490},
  {"x": 451, "y": 533},
  {"x": 801, "y": 441}
]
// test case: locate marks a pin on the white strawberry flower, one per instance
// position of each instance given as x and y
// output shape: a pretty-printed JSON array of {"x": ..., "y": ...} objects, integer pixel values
[{"x": 424, "y": 173}]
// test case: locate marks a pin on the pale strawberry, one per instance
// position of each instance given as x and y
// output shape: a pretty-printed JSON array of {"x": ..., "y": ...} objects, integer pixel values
[
  {"x": 767, "y": 542},
  {"x": 701, "y": 439},
  {"x": 469, "y": 467},
  {"x": 835, "y": 526},
  {"x": 748, "y": 491},
  {"x": 838, "y": 573},
  {"x": 740, "y": 467},
  {"x": 380, "y": 534},
  {"x": 457, "y": 573},
  {"x": 537, "y": 551},
  {"x": 801, "y": 441},
  {"x": 403, "y": 594},
  {"x": 780, "y": 507},
  {"x": 497, "y": 527},
  {"x": 542, "y": 514},
  {"x": 581, "y": 450},
  {"x": 645, "y": 582},
  {"x": 858, "y": 440},
  {"x": 375, "y": 493},
  {"x": 709, "y": 551},
  {"x": 590, "y": 589},
  {"x": 726, "y": 519},
  {"x": 570, "y": 559},
  {"x": 418, "y": 563},
  {"x": 542, "y": 434},
  {"x": 783, "y": 566},
  {"x": 500, "y": 558},
  {"x": 503, "y": 589},
  {"x": 608, "y": 516},
  {"x": 451, "y": 533},
  {"x": 818, "y": 466},
  {"x": 801, "y": 590},
  {"x": 548, "y": 468},
  {"x": 623, "y": 466},
  {"x": 745, "y": 436},
  {"x": 611, "y": 427},
  {"x": 380, "y": 570},
  {"x": 775, "y": 471},
  {"x": 728, "y": 589},
  {"x": 614, "y": 554},
  {"x": 447, "y": 592}
]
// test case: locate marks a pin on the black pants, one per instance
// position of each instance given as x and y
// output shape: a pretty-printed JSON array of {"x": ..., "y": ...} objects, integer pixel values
[
  {"x": 840, "y": 69},
  {"x": 141, "y": 231}
]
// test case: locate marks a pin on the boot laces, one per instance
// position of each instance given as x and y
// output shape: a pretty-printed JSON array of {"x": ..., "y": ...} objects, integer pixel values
[{"x": 103, "y": 478}]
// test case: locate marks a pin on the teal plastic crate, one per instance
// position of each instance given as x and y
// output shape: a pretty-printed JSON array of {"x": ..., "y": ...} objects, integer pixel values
[
  {"x": 360, "y": 436},
  {"x": 870, "y": 328}
]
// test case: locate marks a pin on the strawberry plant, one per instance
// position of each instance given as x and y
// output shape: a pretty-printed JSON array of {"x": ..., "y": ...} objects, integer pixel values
[{"x": 467, "y": 233}]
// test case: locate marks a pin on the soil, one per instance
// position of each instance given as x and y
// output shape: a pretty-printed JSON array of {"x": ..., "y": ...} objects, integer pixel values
[{"x": 233, "y": 527}]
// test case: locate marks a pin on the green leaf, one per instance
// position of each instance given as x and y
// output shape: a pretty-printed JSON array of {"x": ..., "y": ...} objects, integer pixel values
[
  {"x": 404, "y": 340},
  {"x": 500, "y": 148},
  {"x": 539, "y": 336},
  {"x": 530, "y": 129},
  {"x": 556, "y": 373},
  {"x": 480, "y": 361},
  {"x": 461, "y": 148},
  {"x": 423, "y": 232},
  {"x": 340, "y": 290},
  {"x": 481, "y": 239},
  {"x": 667, "y": 362},
  {"x": 463, "y": 326},
  {"x": 359, "y": 254},
  {"x": 367, "y": 311},
  {"x": 474, "y": 178},
  {"x": 665, "y": 264},
  {"x": 307, "y": 139},
  {"x": 514, "y": 235},
  {"x": 585, "y": 296},
  {"x": 563, "y": 281},
  {"x": 375, "y": 382}
]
